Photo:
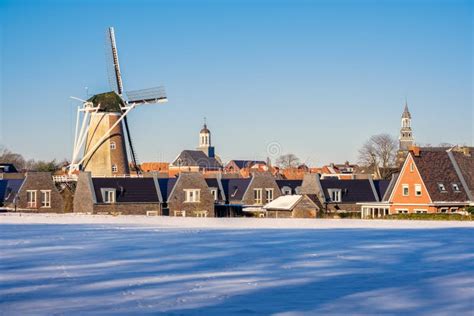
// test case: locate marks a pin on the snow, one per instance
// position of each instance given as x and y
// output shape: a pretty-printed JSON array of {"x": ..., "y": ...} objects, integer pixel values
[
  {"x": 78, "y": 264},
  {"x": 284, "y": 202}
]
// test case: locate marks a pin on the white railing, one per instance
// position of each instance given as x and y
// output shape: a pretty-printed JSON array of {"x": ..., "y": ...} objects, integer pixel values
[{"x": 65, "y": 178}]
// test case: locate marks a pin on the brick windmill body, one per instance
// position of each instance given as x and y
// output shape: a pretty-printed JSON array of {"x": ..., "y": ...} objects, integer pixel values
[{"x": 102, "y": 129}]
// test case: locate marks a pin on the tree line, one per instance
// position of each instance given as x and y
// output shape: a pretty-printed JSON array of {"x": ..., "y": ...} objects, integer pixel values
[{"x": 23, "y": 164}]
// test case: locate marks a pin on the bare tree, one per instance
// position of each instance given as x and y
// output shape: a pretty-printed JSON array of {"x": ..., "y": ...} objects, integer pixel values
[
  {"x": 380, "y": 151},
  {"x": 288, "y": 161},
  {"x": 7, "y": 156}
]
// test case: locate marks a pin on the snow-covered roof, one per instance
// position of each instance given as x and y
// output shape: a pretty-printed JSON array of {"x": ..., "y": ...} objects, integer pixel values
[{"x": 284, "y": 202}]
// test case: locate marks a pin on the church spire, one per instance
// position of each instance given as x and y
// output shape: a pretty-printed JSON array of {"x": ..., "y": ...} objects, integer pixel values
[{"x": 406, "y": 134}]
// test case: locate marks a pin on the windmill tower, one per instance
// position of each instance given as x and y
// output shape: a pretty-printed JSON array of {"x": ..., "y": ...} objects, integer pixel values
[{"x": 102, "y": 129}]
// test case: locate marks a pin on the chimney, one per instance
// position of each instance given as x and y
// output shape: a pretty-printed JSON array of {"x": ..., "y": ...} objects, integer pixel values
[
  {"x": 466, "y": 151},
  {"x": 415, "y": 150}
]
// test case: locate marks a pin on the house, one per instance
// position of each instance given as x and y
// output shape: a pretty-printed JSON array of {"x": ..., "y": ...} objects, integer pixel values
[
  {"x": 431, "y": 180},
  {"x": 201, "y": 160},
  {"x": 235, "y": 166},
  {"x": 191, "y": 196},
  {"x": 292, "y": 206},
  {"x": 343, "y": 195},
  {"x": 37, "y": 193},
  {"x": 117, "y": 195}
]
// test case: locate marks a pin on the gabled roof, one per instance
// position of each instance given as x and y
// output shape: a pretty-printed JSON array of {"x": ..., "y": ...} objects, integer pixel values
[
  {"x": 353, "y": 191},
  {"x": 166, "y": 186},
  {"x": 8, "y": 189},
  {"x": 234, "y": 189},
  {"x": 247, "y": 163},
  {"x": 214, "y": 183},
  {"x": 192, "y": 158},
  {"x": 381, "y": 187},
  {"x": 138, "y": 190},
  {"x": 435, "y": 167}
]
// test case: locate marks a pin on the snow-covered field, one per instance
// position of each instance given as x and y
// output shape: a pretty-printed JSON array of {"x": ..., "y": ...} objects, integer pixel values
[{"x": 70, "y": 264}]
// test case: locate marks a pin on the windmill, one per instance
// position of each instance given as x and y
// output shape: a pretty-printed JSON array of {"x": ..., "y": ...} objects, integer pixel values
[{"x": 101, "y": 121}]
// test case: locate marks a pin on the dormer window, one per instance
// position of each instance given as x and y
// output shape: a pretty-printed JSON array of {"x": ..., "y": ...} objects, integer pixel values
[
  {"x": 441, "y": 187},
  {"x": 335, "y": 195},
  {"x": 286, "y": 190},
  {"x": 456, "y": 187}
]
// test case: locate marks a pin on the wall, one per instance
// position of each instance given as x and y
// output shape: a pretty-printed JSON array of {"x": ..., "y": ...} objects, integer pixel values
[
  {"x": 176, "y": 200},
  {"x": 410, "y": 202},
  {"x": 261, "y": 180},
  {"x": 40, "y": 181}
]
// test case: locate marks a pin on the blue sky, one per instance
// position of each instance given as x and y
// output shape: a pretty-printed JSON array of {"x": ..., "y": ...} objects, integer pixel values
[{"x": 316, "y": 77}]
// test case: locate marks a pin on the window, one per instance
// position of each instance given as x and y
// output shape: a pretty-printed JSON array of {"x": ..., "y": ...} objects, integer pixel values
[
  {"x": 405, "y": 189},
  {"x": 193, "y": 195},
  {"x": 453, "y": 209},
  {"x": 456, "y": 187},
  {"x": 108, "y": 195},
  {"x": 201, "y": 213},
  {"x": 421, "y": 211},
  {"x": 31, "y": 198},
  {"x": 180, "y": 213},
  {"x": 114, "y": 168},
  {"x": 417, "y": 189},
  {"x": 441, "y": 187},
  {"x": 46, "y": 198},
  {"x": 412, "y": 167},
  {"x": 335, "y": 195},
  {"x": 443, "y": 210},
  {"x": 269, "y": 195},
  {"x": 214, "y": 194},
  {"x": 286, "y": 190},
  {"x": 257, "y": 195},
  {"x": 113, "y": 145},
  {"x": 402, "y": 211}
]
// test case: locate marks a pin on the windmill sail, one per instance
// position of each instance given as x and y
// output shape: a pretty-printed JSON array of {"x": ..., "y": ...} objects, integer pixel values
[
  {"x": 113, "y": 66},
  {"x": 151, "y": 95}
]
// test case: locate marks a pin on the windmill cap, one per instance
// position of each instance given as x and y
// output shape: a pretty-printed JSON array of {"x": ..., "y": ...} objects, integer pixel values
[{"x": 108, "y": 102}]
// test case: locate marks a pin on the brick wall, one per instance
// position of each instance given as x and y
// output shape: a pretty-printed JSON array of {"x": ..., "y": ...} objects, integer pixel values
[
  {"x": 38, "y": 181},
  {"x": 177, "y": 199}
]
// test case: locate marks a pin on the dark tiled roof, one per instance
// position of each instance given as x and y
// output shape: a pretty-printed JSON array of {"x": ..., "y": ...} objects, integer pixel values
[
  {"x": 435, "y": 167},
  {"x": 381, "y": 187},
  {"x": 234, "y": 189},
  {"x": 247, "y": 163},
  {"x": 127, "y": 189},
  {"x": 166, "y": 185},
  {"x": 466, "y": 165},
  {"x": 189, "y": 158},
  {"x": 353, "y": 191},
  {"x": 8, "y": 189},
  {"x": 293, "y": 184}
]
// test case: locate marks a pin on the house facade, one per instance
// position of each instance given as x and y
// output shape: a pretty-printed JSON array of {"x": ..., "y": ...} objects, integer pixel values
[
  {"x": 37, "y": 193},
  {"x": 111, "y": 195},
  {"x": 431, "y": 180},
  {"x": 191, "y": 197}
]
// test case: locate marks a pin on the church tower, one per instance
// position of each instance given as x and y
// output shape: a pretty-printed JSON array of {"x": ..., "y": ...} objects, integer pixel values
[
  {"x": 205, "y": 141},
  {"x": 406, "y": 140}
]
